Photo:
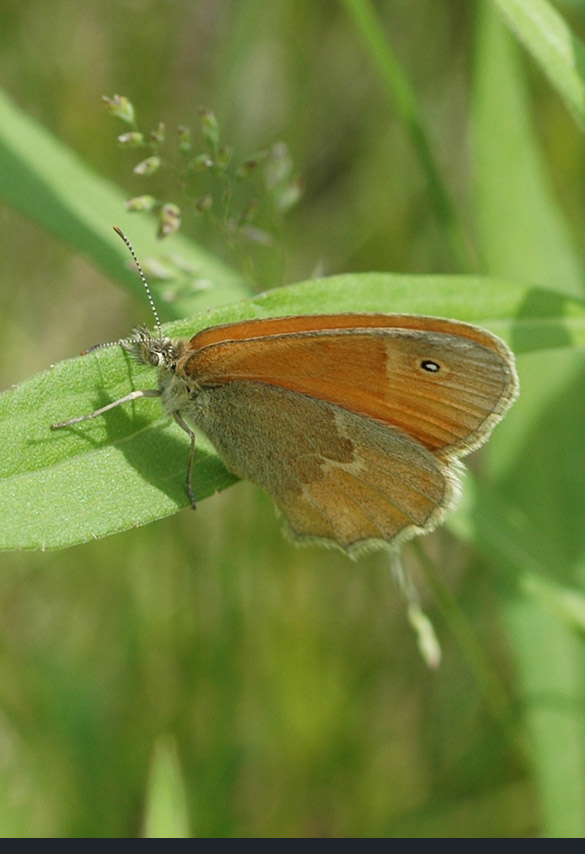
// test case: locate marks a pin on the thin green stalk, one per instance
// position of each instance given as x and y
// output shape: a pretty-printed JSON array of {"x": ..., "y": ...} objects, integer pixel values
[{"x": 404, "y": 100}]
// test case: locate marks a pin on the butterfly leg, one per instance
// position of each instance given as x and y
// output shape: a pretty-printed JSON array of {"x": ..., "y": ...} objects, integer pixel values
[
  {"x": 134, "y": 395},
  {"x": 184, "y": 426}
]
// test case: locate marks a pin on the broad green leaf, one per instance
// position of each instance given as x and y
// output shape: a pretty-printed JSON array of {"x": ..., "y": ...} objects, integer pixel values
[{"x": 128, "y": 467}]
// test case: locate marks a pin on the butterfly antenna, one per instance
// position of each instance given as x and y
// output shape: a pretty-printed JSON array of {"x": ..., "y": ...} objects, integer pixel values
[{"x": 130, "y": 248}]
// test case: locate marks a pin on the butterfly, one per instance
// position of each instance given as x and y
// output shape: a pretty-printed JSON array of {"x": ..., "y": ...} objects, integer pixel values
[{"x": 353, "y": 423}]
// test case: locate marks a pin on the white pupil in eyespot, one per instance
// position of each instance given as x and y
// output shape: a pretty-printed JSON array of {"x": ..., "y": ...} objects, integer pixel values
[{"x": 430, "y": 366}]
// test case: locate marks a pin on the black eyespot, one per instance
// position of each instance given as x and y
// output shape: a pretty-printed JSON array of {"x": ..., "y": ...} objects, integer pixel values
[{"x": 430, "y": 366}]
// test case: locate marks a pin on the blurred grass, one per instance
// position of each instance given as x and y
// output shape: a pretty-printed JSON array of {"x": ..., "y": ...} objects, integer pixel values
[{"x": 289, "y": 679}]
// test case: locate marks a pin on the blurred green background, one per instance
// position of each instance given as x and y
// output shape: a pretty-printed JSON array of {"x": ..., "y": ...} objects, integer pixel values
[{"x": 283, "y": 687}]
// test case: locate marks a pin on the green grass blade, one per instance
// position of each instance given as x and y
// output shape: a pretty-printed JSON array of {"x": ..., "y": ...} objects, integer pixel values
[
  {"x": 404, "y": 100},
  {"x": 166, "y": 802},
  {"x": 535, "y": 244},
  {"x": 560, "y": 54},
  {"x": 531, "y": 530}
]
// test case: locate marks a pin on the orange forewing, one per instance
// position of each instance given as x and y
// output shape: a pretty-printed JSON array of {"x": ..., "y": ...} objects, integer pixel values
[{"x": 370, "y": 364}]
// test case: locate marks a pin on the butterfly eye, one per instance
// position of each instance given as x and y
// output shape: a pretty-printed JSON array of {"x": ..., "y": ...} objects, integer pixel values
[{"x": 430, "y": 366}]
